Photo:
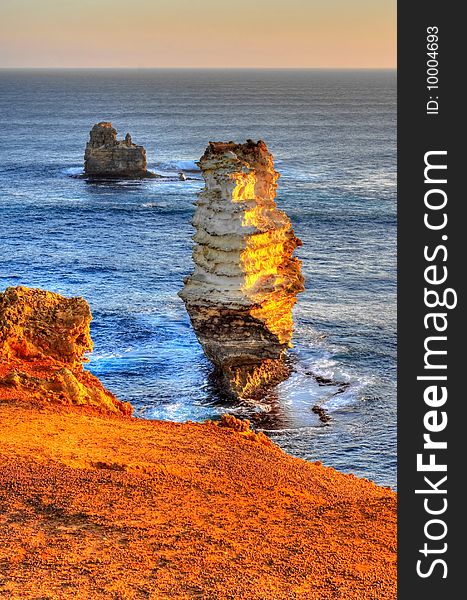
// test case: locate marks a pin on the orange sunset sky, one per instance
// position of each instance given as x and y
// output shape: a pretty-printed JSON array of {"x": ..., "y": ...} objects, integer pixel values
[{"x": 198, "y": 33}]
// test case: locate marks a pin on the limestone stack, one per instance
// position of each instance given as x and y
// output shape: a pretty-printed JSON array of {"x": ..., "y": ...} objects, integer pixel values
[
  {"x": 245, "y": 280},
  {"x": 107, "y": 157}
]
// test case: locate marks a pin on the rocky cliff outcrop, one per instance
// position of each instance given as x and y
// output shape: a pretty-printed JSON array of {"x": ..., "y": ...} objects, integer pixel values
[
  {"x": 244, "y": 285},
  {"x": 107, "y": 157},
  {"x": 43, "y": 339}
]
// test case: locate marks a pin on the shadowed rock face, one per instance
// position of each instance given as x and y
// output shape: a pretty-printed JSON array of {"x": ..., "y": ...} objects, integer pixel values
[
  {"x": 43, "y": 339},
  {"x": 107, "y": 157},
  {"x": 245, "y": 281}
]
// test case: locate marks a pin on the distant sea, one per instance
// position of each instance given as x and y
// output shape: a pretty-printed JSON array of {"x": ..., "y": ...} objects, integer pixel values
[{"x": 126, "y": 247}]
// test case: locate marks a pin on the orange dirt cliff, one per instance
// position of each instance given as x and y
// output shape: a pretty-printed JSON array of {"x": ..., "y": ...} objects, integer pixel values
[
  {"x": 98, "y": 505},
  {"x": 43, "y": 338}
]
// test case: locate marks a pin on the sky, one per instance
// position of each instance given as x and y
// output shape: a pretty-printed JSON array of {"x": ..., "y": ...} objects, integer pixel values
[{"x": 198, "y": 33}]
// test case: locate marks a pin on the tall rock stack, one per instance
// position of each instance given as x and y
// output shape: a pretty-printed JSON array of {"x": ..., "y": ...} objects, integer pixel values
[
  {"x": 245, "y": 281},
  {"x": 107, "y": 157}
]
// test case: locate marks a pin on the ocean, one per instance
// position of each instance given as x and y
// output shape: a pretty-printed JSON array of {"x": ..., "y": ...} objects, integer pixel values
[{"x": 126, "y": 247}]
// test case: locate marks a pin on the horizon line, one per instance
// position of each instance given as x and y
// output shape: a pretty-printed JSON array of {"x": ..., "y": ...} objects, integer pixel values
[{"x": 360, "y": 68}]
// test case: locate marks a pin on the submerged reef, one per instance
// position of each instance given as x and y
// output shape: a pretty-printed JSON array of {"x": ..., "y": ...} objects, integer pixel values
[
  {"x": 245, "y": 281},
  {"x": 108, "y": 158}
]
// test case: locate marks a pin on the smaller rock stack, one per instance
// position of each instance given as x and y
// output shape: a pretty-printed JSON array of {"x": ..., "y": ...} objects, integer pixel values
[{"x": 108, "y": 158}]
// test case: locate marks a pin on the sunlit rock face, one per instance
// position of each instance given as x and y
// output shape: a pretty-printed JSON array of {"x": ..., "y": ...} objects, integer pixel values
[
  {"x": 245, "y": 281},
  {"x": 43, "y": 340},
  {"x": 107, "y": 157}
]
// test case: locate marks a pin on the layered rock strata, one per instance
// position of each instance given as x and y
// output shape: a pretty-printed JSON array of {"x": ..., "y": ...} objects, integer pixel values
[
  {"x": 43, "y": 339},
  {"x": 107, "y": 157},
  {"x": 245, "y": 281}
]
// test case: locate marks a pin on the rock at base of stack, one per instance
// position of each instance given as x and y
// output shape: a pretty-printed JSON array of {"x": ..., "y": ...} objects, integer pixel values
[
  {"x": 244, "y": 285},
  {"x": 106, "y": 157}
]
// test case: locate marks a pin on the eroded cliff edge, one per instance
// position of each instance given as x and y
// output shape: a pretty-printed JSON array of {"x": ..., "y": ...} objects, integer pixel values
[
  {"x": 245, "y": 281},
  {"x": 43, "y": 341},
  {"x": 106, "y": 157},
  {"x": 97, "y": 504}
]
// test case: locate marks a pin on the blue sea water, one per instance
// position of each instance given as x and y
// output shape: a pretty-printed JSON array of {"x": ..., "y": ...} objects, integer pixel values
[{"x": 126, "y": 246}]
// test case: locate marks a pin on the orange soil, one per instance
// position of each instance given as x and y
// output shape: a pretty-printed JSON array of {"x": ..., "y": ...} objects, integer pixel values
[{"x": 95, "y": 506}]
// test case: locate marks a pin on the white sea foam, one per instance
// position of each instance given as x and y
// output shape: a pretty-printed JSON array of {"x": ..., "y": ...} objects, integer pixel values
[
  {"x": 175, "y": 166},
  {"x": 94, "y": 357},
  {"x": 73, "y": 171},
  {"x": 154, "y": 205}
]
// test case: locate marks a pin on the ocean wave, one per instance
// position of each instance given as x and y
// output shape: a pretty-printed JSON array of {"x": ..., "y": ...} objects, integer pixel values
[
  {"x": 171, "y": 166},
  {"x": 73, "y": 171},
  {"x": 323, "y": 367},
  {"x": 94, "y": 357},
  {"x": 155, "y": 205}
]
